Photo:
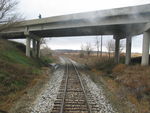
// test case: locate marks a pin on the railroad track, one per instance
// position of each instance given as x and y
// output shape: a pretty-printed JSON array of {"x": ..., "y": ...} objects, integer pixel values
[{"x": 73, "y": 97}]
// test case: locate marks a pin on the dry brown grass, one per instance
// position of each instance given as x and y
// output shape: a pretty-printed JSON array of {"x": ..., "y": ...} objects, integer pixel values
[
  {"x": 97, "y": 72},
  {"x": 135, "y": 81},
  {"x": 137, "y": 78},
  {"x": 131, "y": 86},
  {"x": 143, "y": 106},
  {"x": 119, "y": 68},
  {"x": 136, "y": 54}
]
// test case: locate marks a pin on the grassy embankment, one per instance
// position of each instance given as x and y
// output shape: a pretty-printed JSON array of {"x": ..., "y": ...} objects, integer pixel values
[
  {"x": 17, "y": 72},
  {"x": 129, "y": 85}
]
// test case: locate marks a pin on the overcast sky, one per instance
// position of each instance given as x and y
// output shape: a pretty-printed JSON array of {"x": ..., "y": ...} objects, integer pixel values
[{"x": 30, "y": 9}]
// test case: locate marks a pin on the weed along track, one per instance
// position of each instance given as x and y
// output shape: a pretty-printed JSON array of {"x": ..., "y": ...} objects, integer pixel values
[{"x": 72, "y": 97}]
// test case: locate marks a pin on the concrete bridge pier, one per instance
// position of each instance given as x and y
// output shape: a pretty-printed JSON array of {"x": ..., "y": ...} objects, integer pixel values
[
  {"x": 145, "y": 50},
  {"x": 28, "y": 48},
  {"x": 128, "y": 50},
  {"x": 38, "y": 49},
  {"x": 35, "y": 45},
  {"x": 34, "y": 52},
  {"x": 117, "y": 50}
]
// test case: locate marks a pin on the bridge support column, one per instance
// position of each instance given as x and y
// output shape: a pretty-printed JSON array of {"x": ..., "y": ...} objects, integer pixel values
[
  {"x": 34, "y": 48},
  {"x": 145, "y": 50},
  {"x": 128, "y": 50},
  {"x": 28, "y": 42},
  {"x": 38, "y": 49},
  {"x": 117, "y": 51}
]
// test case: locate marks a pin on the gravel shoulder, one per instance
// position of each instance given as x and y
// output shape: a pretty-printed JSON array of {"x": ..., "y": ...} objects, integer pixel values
[
  {"x": 98, "y": 95},
  {"x": 45, "y": 100}
]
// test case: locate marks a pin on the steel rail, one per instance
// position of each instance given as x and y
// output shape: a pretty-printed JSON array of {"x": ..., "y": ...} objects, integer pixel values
[
  {"x": 65, "y": 90},
  {"x": 89, "y": 107}
]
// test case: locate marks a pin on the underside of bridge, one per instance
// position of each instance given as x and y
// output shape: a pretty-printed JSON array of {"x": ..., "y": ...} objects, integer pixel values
[
  {"x": 145, "y": 51},
  {"x": 121, "y": 30}
]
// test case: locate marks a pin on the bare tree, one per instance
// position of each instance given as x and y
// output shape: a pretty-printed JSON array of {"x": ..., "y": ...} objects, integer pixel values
[
  {"x": 98, "y": 44},
  {"x": 88, "y": 48},
  {"x": 111, "y": 47},
  {"x": 7, "y": 13},
  {"x": 43, "y": 41},
  {"x": 43, "y": 44},
  {"x": 122, "y": 46},
  {"x": 82, "y": 51},
  {"x": 46, "y": 51}
]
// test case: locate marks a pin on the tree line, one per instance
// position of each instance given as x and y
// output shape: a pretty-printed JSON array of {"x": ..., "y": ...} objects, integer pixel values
[{"x": 88, "y": 48}]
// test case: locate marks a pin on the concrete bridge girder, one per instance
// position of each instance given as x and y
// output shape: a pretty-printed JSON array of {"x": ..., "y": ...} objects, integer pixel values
[
  {"x": 131, "y": 19},
  {"x": 147, "y": 27}
]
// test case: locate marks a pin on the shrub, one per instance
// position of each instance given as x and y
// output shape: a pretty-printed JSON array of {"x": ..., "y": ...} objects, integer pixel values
[{"x": 119, "y": 68}]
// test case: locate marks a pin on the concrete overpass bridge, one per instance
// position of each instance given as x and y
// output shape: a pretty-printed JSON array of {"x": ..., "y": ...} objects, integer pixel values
[{"x": 120, "y": 22}]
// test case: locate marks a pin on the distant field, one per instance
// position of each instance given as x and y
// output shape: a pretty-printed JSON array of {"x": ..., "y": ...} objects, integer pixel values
[{"x": 104, "y": 54}]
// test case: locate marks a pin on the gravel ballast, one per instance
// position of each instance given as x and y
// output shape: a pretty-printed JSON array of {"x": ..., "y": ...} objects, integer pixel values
[
  {"x": 45, "y": 101},
  {"x": 98, "y": 95}
]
